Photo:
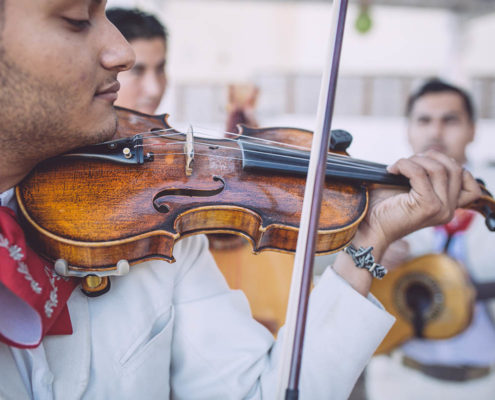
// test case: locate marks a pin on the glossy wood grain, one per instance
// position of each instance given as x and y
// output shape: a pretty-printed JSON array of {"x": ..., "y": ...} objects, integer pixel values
[{"x": 94, "y": 213}]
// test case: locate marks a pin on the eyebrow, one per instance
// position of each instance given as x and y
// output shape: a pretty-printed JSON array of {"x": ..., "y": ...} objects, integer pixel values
[{"x": 452, "y": 114}]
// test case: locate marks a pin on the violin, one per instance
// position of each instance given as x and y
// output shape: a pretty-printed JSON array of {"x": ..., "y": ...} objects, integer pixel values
[{"x": 138, "y": 194}]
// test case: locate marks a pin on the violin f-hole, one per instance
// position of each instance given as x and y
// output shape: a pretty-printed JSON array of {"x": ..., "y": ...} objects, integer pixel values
[{"x": 159, "y": 201}]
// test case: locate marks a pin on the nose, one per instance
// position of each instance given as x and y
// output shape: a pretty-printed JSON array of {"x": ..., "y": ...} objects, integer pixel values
[
  {"x": 436, "y": 129},
  {"x": 116, "y": 54}
]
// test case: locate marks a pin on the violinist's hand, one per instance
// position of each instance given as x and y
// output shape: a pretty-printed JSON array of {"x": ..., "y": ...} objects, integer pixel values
[{"x": 438, "y": 186}]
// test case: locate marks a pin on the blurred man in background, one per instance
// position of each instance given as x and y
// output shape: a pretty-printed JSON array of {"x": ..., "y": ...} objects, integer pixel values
[
  {"x": 442, "y": 118},
  {"x": 142, "y": 87}
]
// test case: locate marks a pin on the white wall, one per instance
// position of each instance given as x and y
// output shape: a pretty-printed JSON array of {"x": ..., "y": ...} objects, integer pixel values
[
  {"x": 225, "y": 40},
  {"x": 222, "y": 41}
]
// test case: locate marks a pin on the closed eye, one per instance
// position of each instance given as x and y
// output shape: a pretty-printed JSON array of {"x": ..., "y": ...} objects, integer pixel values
[
  {"x": 138, "y": 69},
  {"x": 78, "y": 24},
  {"x": 423, "y": 120},
  {"x": 451, "y": 119}
]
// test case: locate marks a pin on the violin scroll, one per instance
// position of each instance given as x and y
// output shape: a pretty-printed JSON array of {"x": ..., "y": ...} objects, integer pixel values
[{"x": 485, "y": 205}]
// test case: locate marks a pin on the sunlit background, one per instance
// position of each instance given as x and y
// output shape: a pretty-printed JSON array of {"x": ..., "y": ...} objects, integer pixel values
[{"x": 390, "y": 46}]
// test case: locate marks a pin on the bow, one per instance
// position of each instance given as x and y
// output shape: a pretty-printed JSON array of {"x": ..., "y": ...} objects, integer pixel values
[{"x": 290, "y": 365}]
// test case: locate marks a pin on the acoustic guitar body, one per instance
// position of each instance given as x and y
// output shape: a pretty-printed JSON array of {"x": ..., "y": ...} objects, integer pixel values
[{"x": 441, "y": 285}]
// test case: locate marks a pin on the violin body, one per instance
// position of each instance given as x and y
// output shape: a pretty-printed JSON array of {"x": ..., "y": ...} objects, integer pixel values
[{"x": 93, "y": 212}]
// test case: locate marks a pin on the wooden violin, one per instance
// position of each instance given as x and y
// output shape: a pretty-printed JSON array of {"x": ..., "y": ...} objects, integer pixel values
[{"x": 135, "y": 196}]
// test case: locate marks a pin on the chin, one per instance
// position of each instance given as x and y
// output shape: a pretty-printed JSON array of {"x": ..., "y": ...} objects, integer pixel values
[
  {"x": 103, "y": 130},
  {"x": 109, "y": 131}
]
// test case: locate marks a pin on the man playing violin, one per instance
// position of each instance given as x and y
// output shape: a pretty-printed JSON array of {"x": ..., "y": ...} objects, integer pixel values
[
  {"x": 164, "y": 330},
  {"x": 441, "y": 117}
]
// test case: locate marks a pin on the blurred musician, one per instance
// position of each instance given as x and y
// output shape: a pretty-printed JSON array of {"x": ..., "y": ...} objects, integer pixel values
[{"x": 441, "y": 117}]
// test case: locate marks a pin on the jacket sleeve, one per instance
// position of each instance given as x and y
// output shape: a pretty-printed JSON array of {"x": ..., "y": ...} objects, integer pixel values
[{"x": 220, "y": 352}]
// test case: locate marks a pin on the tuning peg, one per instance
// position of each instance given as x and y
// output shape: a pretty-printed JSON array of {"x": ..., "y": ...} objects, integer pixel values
[
  {"x": 340, "y": 140},
  {"x": 490, "y": 222}
]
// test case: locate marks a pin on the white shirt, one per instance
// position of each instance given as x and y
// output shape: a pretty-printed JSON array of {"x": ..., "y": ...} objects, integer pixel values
[
  {"x": 176, "y": 330},
  {"x": 7, "y": 199}
]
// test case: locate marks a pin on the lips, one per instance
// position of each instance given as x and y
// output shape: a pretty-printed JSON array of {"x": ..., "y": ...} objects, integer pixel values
[{"x": 109, "y": 92}]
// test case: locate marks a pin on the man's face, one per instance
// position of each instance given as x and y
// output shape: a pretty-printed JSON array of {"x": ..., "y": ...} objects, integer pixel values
[
  {"x": 142, "y": 87},
  {"x": 439, "y": 121},
  {"x": 59, "y": 61}
]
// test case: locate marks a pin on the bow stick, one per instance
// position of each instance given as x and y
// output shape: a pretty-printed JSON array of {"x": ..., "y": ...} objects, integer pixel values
[{"x": 290, "y": 365}]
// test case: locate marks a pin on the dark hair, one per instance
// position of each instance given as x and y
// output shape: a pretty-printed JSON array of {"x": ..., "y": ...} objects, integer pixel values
[
  {"x": 136, "y": 24},
  {"x": 438, "y": 86}
]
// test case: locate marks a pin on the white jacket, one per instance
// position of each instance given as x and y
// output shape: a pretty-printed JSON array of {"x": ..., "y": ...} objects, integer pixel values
[{"x": 177, "y": 331}]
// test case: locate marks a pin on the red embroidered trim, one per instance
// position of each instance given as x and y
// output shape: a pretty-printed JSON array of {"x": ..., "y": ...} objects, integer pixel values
[{"x": 33, "y": 280}]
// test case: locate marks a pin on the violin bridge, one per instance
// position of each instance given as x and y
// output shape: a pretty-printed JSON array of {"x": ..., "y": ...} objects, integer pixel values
[{"x": 189, "y": 150}]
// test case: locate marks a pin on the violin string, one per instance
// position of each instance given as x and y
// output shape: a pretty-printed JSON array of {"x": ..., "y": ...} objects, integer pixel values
[
  {"x": 220, "y": 147},
  {"x": 208, "y": 155},
  {"x": 343, "y": 157},
  {"x": 336, "y": 159},
  {"x": 342, "y": 162},
  {"x": 202, "y": 155},
  {"x": 207, "y": 133},
  {"x": 170, "y": 136},
  {"x": 224, "y": 147},
  {"x": 213, "y": 133},
  {"x": 154, "y": 135},
  {"x": 285, "y": 146},
  {"x": 151, "y": 134},
  {"x": 356, "y": 168}
]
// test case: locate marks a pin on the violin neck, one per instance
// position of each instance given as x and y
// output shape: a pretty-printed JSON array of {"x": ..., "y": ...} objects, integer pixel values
[
  {"x": 485, "y": 290},
  {"x": 285, "y": 160}
]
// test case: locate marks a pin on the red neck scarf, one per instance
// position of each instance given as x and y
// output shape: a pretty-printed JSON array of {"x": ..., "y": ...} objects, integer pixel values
[
  {"x": 33, "y": 297},
  {"x": 460, "y": 223}
]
